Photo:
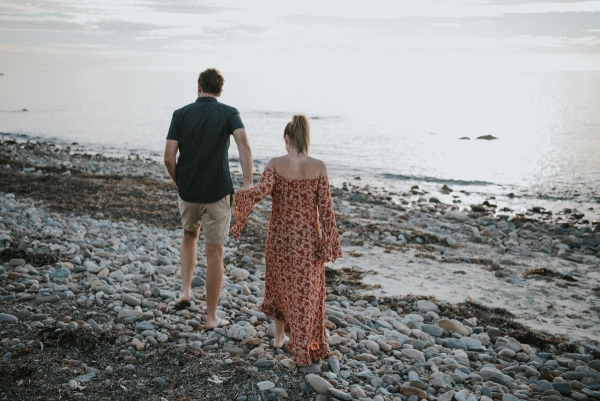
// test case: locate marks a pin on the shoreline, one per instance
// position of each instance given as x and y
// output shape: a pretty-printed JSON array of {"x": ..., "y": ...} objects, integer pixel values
[
  {"x": 93, "y": 253},
  {"x": 511, "y": 199}
]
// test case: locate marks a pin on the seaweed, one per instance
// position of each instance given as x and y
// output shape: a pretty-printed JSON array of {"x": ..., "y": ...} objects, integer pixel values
[{"x": 35, "y": 258}]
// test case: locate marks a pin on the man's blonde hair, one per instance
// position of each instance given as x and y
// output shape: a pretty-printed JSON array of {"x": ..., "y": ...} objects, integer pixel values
[{"x": 298, "y": 132}]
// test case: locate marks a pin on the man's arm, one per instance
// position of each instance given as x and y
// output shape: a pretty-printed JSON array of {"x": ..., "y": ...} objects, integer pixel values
[
  {"x": 241, "y": 139},
  {"x": 171, "y": 149}
]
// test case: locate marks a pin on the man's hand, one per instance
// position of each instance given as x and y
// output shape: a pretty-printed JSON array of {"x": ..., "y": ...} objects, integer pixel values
[
  {"x": 171, "y": 149},
  {"x": 241, "y": 139}
]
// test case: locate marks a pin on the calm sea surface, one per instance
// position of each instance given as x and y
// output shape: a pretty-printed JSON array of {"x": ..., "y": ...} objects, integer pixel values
[{"x": 392, "y": 131}]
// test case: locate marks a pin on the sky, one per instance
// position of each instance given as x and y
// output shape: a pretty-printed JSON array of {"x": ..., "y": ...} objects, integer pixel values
[{"x": 349, "y": 38}]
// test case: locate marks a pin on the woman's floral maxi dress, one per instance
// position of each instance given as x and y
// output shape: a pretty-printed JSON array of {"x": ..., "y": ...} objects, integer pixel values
[{"x": 296, "y": 249}]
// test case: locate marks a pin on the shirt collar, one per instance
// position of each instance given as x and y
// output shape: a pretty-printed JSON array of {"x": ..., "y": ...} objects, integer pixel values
[{"x": 203, "y": 99}]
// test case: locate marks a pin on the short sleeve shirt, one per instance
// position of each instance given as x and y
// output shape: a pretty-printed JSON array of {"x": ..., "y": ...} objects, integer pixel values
[{"x": 202, "y": 130}]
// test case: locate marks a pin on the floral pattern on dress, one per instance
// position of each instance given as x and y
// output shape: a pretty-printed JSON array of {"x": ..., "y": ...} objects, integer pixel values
[{"x": 302, "y": 236}]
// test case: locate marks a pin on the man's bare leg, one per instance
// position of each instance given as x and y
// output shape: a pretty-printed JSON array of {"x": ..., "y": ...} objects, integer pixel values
[
  {"x": 280, "y": 337},
  {"x": 187, "y": 256},
  {"x": 214, "y": 279}
]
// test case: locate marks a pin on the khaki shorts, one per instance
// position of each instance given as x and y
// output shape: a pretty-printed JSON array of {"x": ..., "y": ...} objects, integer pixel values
[{"x": 214, "y": 218}]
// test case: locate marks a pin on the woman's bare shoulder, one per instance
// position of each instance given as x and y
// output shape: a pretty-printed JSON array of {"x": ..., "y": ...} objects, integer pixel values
[
  {"x": 273, "y": 163},
  {"x": 318, "y": 165}
]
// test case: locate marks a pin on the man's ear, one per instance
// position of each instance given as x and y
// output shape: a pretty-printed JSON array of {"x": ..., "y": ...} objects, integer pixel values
[{"x": 199, "y": 88}]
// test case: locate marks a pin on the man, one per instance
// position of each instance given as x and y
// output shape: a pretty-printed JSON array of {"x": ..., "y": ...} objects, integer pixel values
[{"x": 200, "y": 132}]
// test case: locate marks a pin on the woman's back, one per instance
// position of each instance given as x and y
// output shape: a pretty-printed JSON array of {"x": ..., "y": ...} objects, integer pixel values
[{"x": 298, "y": 167}]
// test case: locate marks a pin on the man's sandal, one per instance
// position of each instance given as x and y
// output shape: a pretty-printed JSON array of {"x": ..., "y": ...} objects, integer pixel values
[{"x": 182, "y": 305}]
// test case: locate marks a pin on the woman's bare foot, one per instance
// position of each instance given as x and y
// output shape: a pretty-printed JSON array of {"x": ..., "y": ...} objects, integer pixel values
[{"x": 279, "y": 342}]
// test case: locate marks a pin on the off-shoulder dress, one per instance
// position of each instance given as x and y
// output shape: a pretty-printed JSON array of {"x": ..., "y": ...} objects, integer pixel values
[{"x": 302, "y": 236}]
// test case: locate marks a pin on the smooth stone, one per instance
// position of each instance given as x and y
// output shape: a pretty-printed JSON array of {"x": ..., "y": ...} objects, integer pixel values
[
  {"x": 425, "y": 304},
  {"x": 142, "y": 326},
  {"x": 127, "y": 313},
  {"x": 310, "y": 369},
  {"x": 8, "y": 318},
  {"x": 279, "y": 392},
  {"x": 319, "y": 384},
  {"x": 412, "y": 354},
  {"x": 464, "y": 395},
  {"x": 241, "y": 331},
  {"x": 16, "y": 262},
  {"x": 513, "y": 344},
  {"x": 373, "y": 347},
  {"x": 453, "y": 325},
  {"x": 447, "y": 396},
  {"x": 419, "y": 384},
  {"x": 47, "y": 298},
  {"x": 264, "y": 363},
  {"x": 288, "y": 363},
  {"x": 588, "y": 371},
  {"x": 340, "y": 395},
  {"x": 455, "y": 344},
  {"x": 240, "y": 273},
  {"x": 543, "y": 385},
  {"x": 117, "y": 275},
  {"x": 60, "y": 273},
  {"x": 265, "y": 385},
  {"x": 138, "y": 344},
  {"x": 563, "y": 388},
  {"x": 366, "y": 358},
  {"x": 84, "y": 378},
  {"x": 549, "y": 393},
  {"x": 198, "y": 282},
  {"x": 507, "y": 352},
  {"x": 23, "y": 314},
  {"x": 432, "y": 330},
  {"x": 130, "y": 300},
  {"x": 407, "y": 391},
  {"x": 334, "y": 340},
  {"x": 233, "y": 350},
  {"x": 573, "y": 376},
  {"x": 72, "y": 385},
  {"x": 334, "y": 364},
  {"x": 438, "y": 382}
]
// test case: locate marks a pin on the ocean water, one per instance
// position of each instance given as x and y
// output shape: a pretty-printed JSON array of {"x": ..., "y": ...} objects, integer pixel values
[{"x": 394, "y": 132}]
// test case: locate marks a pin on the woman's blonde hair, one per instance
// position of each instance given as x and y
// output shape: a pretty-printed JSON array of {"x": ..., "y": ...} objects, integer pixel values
[{"x": 298, "y": 132}]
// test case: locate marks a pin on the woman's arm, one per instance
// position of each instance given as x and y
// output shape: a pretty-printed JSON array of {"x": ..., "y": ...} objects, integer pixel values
[
  {"x": 245, "y": 199},
  {"x": 330, "y": 248}
]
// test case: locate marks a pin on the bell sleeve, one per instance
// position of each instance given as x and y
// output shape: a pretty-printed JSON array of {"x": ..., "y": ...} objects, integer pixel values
[
  {"x": 329, "y": 248},
  {"x": 245, "y": 199}
]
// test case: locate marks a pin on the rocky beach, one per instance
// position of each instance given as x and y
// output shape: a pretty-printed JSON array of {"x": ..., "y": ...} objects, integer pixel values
[{"x": 431, "y": 301}]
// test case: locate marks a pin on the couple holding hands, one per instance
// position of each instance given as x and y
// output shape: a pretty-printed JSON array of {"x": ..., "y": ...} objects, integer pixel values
[{"x": 302, "y": 231}]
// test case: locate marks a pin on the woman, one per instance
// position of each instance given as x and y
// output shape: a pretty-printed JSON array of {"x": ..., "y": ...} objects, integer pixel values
[{"x": 297, "y": 245}]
